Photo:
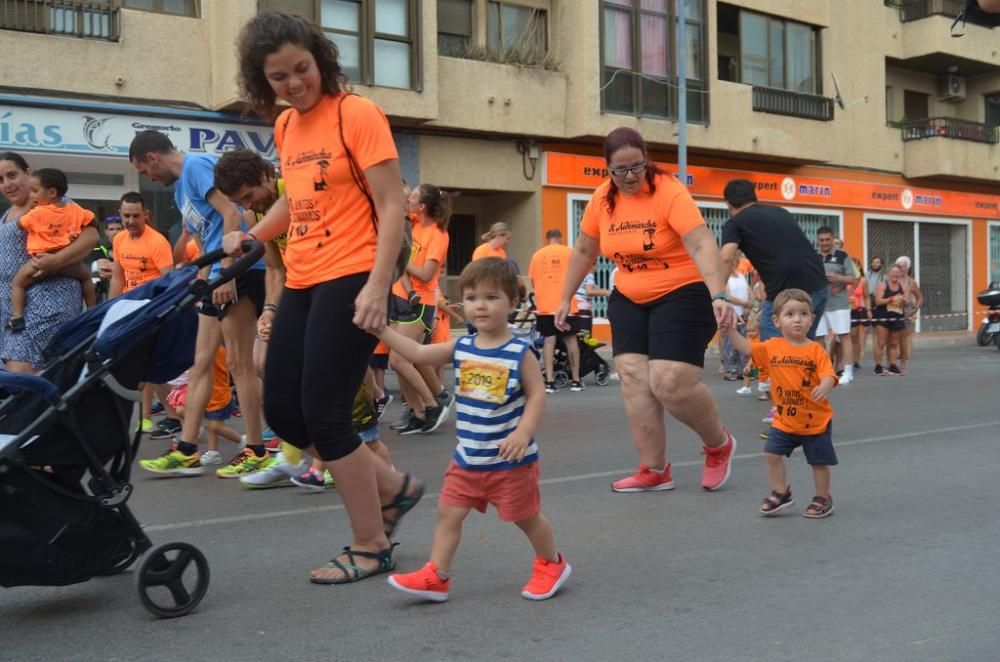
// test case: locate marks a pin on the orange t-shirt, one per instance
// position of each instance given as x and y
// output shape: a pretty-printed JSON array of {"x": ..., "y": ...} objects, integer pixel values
[
  {"x": 332, "y": 233},
  {"x": 429, "y": 243},
  {"x": 547, "y": 272},
  {"x": 222, "y": 394},
  {"x": 486, "y": 250},
  {"x": 795, "y": 370},
  {"x": 381, "y": 349},
  {"x": 142, "y": 259},
  {"x": 643, "y": 237},
  {"x": 191, "y": 251},
  {"x": 744, "y": 267},
  {"x": 51, "y": 228}
]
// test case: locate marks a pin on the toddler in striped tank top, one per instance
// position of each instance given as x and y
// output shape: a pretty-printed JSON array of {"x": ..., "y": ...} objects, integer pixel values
[{"x": 500, "y": 398}]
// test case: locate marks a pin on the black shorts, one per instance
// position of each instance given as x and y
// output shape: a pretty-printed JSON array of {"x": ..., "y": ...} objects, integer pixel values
[
  {"x": 860, "y": 318},
  {"x": 585, "y": 320},
  {"x": 401, "y": 312},
  {"x": 818, "y": 448},
  {"x": 379, "y": 362},
  {"x": 248, "y": 286},
  {"x": 892, "y": 323},
  {"x": 546, "y": 325},
  {"x": 676, "y": 327}
]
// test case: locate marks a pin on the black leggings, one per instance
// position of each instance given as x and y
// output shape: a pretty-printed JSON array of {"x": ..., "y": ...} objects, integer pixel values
[{"x": 316, "y": 361}]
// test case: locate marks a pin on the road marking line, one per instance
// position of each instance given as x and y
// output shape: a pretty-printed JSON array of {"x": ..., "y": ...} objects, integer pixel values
[{"x": 545, "y": 481}]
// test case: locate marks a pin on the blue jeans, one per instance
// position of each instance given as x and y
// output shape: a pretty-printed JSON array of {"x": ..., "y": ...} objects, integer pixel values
[{"x": 767, "y": 328}]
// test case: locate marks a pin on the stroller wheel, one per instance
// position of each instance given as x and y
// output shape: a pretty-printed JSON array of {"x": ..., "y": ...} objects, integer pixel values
[
  {"x": 602, "y": 375},
  {"x": 562, "y": 379},
  {"x": 172, "y": 579}
]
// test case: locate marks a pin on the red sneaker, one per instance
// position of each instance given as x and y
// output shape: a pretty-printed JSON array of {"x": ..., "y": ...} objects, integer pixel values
[
  {"x": 645, "y": 480},
  {"x": 424, "y": 583},
  {"x": 546, "y": 578},
  {"x": 718, "y": 464}
]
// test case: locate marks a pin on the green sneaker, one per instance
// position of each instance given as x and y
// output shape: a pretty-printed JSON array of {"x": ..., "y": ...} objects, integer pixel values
[
  {"x": 174, "y": 463},
  {"x": 145, "y": 425},
  {"x": 246, "y": 463}
]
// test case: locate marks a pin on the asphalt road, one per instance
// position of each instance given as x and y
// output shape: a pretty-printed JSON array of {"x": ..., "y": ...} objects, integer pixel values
[{"x": 906, "y": 569}]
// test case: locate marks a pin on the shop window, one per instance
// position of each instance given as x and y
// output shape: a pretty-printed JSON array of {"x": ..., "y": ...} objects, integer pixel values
[
  {"x": 716, "y": 217},
  {"x": 995, "y": 253},
  {"x": 377, "y": 39},
  {"x": 639, "y": 59},
  {"x": 766, "y": 51},
  {"x": 604, "y": 266},
  {"x": 173, "y": 7}
]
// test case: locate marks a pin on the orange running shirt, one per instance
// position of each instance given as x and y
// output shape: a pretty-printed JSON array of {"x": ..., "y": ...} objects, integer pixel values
[
  {"x": 222, "y": 394},
  {"x": 486, "y": 250},
  {"x": 191, "y": 251},
  {"x": 142, "y": 259},
  {"x": 51, "y": 228},
  {"x": 795, "y": 371},
  {"x": 744, "y": 267},
  {"x": 643, "y": 237},
  {"x": 429, "y": 243},
  {"x": 547, "y": 272},
  {"x": 381, "y": 349},
  {"x": 332, "y": 233}
]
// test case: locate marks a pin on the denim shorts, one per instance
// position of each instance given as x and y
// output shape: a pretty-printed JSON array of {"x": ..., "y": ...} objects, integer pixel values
[
  {"x": 369, "y": 436},
  {"x": 223, "y": 414},
  {"x": 818, "y": 448}
]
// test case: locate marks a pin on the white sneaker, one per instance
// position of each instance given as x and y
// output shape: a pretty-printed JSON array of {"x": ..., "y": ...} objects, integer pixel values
[
  {"x": 846, "y": 379},
  {"x": 209, "y": 458},
  {"x": 744, "y": 390},
  {"x": 278, "y": 475},
  {"x": 763, "y": 387}
]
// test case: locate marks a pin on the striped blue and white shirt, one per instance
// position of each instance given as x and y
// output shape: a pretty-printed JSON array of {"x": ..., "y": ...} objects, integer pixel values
[{"x": 489, "y": 403}]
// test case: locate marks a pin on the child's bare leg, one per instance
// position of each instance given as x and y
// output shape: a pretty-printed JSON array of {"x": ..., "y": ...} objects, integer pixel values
[
  {"x": 147, "y": 400},
  {"x": 447, "y": 535},
  {"x": 540, "y": 535},
  {"x": 220, "y": 429},
  {"x": 211, "y": 437},
  {"x": 381, "y": 450},
  {"x": 23, "y": 279},
  {"x": 821, "y": 474},
  {"x": 776, "y": 472}
]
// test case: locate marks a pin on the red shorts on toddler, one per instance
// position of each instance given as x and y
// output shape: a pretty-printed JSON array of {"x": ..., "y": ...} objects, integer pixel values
[{"x": 514, "y": 492}]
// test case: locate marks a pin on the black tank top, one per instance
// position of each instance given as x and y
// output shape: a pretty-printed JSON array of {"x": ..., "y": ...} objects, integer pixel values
[{"x": 887, "y": 310}]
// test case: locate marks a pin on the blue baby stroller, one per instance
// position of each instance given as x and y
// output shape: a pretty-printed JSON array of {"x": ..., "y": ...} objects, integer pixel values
[{"x": 66, "y": 445}]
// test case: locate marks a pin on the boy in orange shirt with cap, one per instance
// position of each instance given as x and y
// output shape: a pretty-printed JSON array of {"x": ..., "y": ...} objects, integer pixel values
[
  {"x": 51, "y": 226},
  {"x": 801, "y": 378}
]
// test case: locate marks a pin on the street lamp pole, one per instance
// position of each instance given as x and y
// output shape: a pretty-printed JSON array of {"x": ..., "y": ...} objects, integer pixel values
[{"x": 682, "y": 91}]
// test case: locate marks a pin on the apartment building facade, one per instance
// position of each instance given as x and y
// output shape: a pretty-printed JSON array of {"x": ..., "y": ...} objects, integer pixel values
[{"x": 507, "y": 102}]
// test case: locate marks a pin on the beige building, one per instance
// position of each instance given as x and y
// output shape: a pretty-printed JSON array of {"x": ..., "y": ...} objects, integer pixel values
[{"x": 864, "y": 115}]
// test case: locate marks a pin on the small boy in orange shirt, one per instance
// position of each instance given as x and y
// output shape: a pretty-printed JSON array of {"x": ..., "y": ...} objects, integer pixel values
[
  {"x": 51, "y": 226},
  {"x": 801, "y": 378}
]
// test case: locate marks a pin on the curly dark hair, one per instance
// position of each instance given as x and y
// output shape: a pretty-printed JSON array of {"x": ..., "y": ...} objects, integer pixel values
[
  {"x": 240, "y": 167},
  {"x": 264, "y": 35}
]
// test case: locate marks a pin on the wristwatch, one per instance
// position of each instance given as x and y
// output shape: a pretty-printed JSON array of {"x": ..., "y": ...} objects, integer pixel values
[{"x": 720, "y": 297}]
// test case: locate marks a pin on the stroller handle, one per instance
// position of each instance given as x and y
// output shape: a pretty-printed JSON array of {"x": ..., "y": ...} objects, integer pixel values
[{"x": 253, "y": 251}]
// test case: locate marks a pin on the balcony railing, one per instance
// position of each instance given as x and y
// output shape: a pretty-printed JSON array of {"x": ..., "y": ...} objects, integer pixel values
[
  {"x": 793, "y": 104},
  {"x": 916, "y": 10},
  {"x": 72, "y": 18},
  {"x": 949, "y": 127}
]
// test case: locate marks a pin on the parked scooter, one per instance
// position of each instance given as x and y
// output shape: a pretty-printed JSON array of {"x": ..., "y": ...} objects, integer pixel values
[{"x": 989, "y": 330}]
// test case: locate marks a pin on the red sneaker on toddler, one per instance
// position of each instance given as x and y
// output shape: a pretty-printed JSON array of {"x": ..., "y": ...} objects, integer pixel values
[
  {"x": 645, "y": 480},
  {"x": 424, "y": 583},
  {"x": 546, "y": 578}
]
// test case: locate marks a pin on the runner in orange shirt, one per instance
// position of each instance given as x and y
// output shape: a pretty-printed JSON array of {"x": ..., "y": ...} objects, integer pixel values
[
  {"x": 547, "y": 272},
  {"x": 494, "y": 242},
  {"x": 141, "y": 254},
  {"x": 343, "y": 212},
  {"x": 661, "y": 312},
  {"x": 51, "y": 226},
  {"x": 413, "y": 312}
]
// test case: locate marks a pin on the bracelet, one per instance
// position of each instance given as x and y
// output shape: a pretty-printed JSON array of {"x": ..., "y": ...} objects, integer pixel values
[
  {"x": 270, "y": 307},
  {"x": 720, "y": 297}
]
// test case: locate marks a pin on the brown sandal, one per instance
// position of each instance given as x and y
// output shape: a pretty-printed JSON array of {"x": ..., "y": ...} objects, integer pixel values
[
  {"x": 819, "y": 508},
  {"x": 776, "y": 502}
]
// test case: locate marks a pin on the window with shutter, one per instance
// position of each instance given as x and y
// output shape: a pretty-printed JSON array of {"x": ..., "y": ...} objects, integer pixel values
[{"x": 304, "y": 8}]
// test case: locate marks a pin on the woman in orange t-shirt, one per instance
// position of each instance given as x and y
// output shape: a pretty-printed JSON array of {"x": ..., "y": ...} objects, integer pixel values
[
  {"x": 494, "y": 242},
  {"x": 413, "y": 313},
  {"x": 661, "y": 312},
  {"x": 343, "y": 213}
]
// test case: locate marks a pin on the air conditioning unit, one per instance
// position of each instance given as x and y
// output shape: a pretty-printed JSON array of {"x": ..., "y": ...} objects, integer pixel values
[{"x": 951, "y": 88}]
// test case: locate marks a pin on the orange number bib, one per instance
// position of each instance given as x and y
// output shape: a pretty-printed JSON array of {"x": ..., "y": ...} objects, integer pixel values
[{"x": 483, "y": 381}]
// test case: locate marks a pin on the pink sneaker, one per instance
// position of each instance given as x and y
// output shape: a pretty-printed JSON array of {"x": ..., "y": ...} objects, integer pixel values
[
  {"x": 546, "y": 578},
  {"x": 645, "y": 480},
  {"x": 424, "y": 583},
  {"x": 718, "y": 464}
]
